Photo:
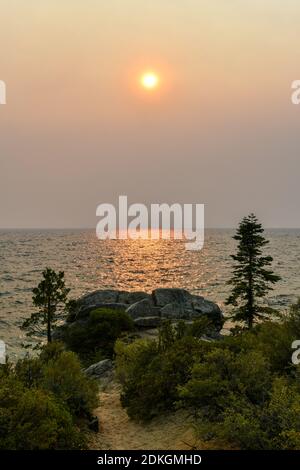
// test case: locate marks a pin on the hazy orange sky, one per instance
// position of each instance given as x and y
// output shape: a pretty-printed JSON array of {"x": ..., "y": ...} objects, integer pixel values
[{"x": 77, "y": 129}]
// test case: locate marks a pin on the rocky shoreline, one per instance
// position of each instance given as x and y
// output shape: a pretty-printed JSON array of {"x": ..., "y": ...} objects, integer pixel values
[{"x": 149, "y": 310}]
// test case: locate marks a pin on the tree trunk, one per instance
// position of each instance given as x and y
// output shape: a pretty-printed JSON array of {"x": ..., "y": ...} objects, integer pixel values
[{"x": 250, "y": 295}]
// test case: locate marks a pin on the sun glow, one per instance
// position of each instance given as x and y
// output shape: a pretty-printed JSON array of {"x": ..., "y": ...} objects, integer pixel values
[{"x": 150, "y": 80}]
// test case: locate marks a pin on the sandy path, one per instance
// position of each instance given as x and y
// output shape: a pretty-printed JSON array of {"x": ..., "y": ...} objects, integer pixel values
[{"x": 118, "y": 432}]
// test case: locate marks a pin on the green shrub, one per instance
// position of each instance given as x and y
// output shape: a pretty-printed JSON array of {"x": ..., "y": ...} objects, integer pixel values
[
  {"x": 151, "y": 371},
  {"x": 244, "y": 391},
  {"x": 95, "y": 338},
  {"x": 59, "y": 371},
  {"x": 29, "y": 371},
  {"x": 238, "y": 426},
  {"x": 44, "y": 402},
  {"x": 275, "y": 425},
  {"x": 272, "y": 339},
  {"x": 220, "y": 375},
  {"x": 34, "y": 419},
  {"x": 64, "y": 378}
]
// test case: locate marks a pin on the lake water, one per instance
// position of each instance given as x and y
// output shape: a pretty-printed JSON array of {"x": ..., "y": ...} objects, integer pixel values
[{"x": 91, "y": 264}]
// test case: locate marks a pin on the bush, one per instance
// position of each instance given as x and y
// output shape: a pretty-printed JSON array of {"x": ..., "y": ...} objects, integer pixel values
[
  {"x": 44, "y": 402},
  {"x": 220, "y": 376},
  {"x": 244, "y": 391},
  {"x": 34, "y": 419},
  {"x": 95, "y": 338},
  {"x": 276, "y": 425},
  {"x": 64, "y": 378},
  {"x": 151, "y": 371}
]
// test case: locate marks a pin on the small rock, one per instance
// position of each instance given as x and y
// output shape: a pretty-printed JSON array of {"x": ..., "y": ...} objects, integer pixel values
[
  {"x": 100, "y": 369},
  {"x": 94, "y": 424}
]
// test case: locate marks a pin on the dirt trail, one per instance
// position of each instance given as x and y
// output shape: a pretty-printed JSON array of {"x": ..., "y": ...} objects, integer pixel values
[{"x": 118, "y": 432}]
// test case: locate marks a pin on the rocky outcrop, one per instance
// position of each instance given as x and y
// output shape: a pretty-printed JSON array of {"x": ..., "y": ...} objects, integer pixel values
[
  {"x": 99, "y": 370},
  {"x": 84, "y": 311},
  {"x": 132, "y": 297},
  {"x": 148, "y": 310},
  {"x": 174, "y": 310},
  {"x": 147, "y": 322},
  {"x": 113, "y": 299},
  {"x": 143, "y": 308},
  {"x": 177, "y": 296}
]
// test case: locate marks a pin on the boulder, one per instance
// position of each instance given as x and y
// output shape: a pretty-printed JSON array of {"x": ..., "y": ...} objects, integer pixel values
[
  {"x": 180, "y": 304},
  {"x": 143, "y": 308},
  {"x": 98, "y": 297},
  {"x": 100, "y": 369},
  {"x": 202, "y": 306},
  {"x": 91, "y": 301},
  {"x": 84, "y": 311},
  {"x": 174, "y": 311},
  {"x": 171, "y": 303},
  {"x": 132, "y": 297},
  {"x": 147, "y": 322},
  {"x": 164, "y": 296},
  {"x": 114, "y": 299}
]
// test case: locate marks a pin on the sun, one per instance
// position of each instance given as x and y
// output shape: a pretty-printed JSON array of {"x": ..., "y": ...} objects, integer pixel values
[{"x": 150, "y": 80}]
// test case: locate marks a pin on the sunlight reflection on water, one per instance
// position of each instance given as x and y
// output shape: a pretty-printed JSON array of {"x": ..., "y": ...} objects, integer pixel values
[{"x": 91, "y": 264}]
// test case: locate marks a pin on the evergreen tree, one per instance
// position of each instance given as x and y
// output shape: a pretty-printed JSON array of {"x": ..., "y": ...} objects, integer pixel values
[
  {"x": 48, "y": 296},
  {"x": 251, "y": 278}
]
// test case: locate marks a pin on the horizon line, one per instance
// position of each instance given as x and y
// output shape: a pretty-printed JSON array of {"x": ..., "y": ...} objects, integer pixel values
[{"x": 93, "y": 228}]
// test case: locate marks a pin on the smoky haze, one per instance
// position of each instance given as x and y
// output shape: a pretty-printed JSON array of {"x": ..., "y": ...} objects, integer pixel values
[{"x": 76, "y": 131}]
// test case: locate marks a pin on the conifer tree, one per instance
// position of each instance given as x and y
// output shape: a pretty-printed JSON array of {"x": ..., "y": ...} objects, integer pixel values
[
  {"x": 48, "y": 296},
  {"x": 251, "y": 278}
]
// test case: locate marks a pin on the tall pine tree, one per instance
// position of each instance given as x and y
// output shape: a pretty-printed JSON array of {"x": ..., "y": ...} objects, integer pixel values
[{"x": 251, "y": 278}]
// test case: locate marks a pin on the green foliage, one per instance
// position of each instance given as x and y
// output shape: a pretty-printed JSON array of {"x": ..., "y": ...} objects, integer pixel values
[
  {"x": 64, "y": 378},
  {"x": 243, "y": 391},
  {"x": 32, "y": 418},
  {"x": 220, "y": 376},
  {"x": 95, "y": 338},
  {"x": 51, "y": 351},
  {"x": 246, "y": 391},
  {"x": 39, "y": 421},
  {"x": 200, "y": 327},
  {"x": 272, "y": 339},
  {"x": 273, "y": 426},
  {"x": 44, "y": 402},
  {"x": 48, "y": 296},
  {"x": 169, "y": 333},
  {"x": 151, "y": 371},
  {"x": 251, "y": 278}
]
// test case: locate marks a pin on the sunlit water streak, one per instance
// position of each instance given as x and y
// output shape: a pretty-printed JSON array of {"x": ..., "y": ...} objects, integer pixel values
[{"x": 91, "y": 264}]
